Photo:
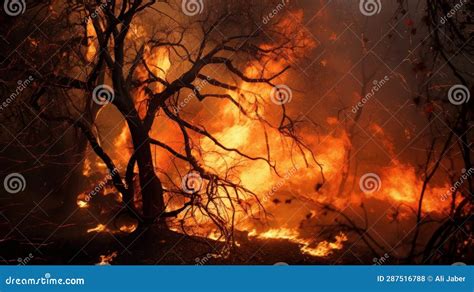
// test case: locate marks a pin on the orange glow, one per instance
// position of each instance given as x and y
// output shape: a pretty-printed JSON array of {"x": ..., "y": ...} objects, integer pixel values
[
  {"x": 82, "y": 200},
  {"x": 325, "y": 248},
  {"x": 107, "y": 259},
  {"x": 320, "y": 249},
  {"x": 86, "y": 171},
  {"x": 98, "y": 228},
  {"x": 158, "y": 63},
  {"x": 128, "y": 228},
  {"x": 400, "y": 183},
  {"x": 91, "y": 41},
  {"x": 127, "y": 224}
]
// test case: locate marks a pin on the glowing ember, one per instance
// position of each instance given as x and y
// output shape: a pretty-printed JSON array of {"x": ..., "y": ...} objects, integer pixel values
[
  {"x": 82, "y": 201},
  {"x": 215, "y": 236},
  {"x": 107, "y": 259},
  {"x": 128, "y": 228},
  {"x": 122, "y": 226},
  {"x": 82, "y": 204},
  {"x": 86, "y": 171},
  {"x": 98, "y": 228},
  {"x": 127, "y": 224}
]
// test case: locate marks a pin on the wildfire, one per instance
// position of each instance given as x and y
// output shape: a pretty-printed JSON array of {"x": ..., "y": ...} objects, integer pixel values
[
  {"x": 400, "y": 181},
  {"x": 321, "y": 249},
  {"x": 280, "y": 233},
  {"x": 325, "y": 248}
]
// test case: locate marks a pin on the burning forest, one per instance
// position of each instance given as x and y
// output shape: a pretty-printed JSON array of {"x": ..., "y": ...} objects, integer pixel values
[{"x": 204, "y": 132}]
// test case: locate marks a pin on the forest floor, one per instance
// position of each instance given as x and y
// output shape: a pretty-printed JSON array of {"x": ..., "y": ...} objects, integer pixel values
[{"x": 34, "y": 238}]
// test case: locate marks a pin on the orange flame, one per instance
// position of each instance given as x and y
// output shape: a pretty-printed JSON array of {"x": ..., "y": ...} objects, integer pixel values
[
  {"x": 322, "y": 249},
  {"x": 106, "y": 260},
  {"x": 99, "y": 228}
]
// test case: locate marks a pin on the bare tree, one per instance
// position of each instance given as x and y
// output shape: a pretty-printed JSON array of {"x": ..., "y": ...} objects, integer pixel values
[{"x": 224, "y": 45}]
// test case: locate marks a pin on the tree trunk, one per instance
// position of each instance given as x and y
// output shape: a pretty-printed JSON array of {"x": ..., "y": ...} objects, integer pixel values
[{"x": 150, "y": 184}]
